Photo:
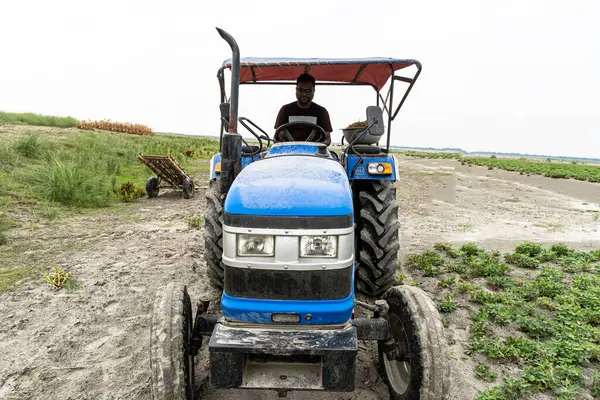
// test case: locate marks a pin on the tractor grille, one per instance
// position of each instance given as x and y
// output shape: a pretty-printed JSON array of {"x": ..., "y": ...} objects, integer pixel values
[{"x": 314, "y": 284}]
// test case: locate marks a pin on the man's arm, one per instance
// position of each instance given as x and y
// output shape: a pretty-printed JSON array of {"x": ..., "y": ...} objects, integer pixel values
[
  {"x": 326, "y": 125},
  {"x": 280, "y": 120}
]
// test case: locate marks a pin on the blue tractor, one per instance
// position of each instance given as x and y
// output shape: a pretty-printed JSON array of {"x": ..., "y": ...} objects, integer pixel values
[{"x": 294, "y": 231}]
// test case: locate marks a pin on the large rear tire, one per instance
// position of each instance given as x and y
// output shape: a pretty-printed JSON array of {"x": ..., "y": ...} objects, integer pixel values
[
  {"x": 171, "y": 362},
  {"x": 378, "y": 239},
  {"x": 422, "y": 372},
  {"x": 213, "y": 235}
]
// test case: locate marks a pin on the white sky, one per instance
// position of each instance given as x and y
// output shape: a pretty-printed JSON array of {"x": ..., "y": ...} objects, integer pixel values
[{"x": 506, "y": 76}]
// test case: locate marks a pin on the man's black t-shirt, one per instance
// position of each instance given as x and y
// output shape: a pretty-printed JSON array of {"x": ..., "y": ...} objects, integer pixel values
[{"x": 315, "y": 114}]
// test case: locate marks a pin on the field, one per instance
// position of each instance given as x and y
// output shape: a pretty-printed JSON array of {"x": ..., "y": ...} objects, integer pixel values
[
  {"x": 550, "y": 168},
  {"x": 511, "y": 260}
]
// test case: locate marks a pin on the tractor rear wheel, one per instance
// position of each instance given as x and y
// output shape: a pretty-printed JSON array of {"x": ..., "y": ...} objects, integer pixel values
[
  {"x": 213, "y": 234},
  {"x": 377, "y": 236},
  {"x": 422, "y": 370},
  {"x": 171, "y": 360}
]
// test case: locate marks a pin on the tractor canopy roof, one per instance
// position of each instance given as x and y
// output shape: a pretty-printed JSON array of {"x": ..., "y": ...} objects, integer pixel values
[{"x": 358, "y": 71}]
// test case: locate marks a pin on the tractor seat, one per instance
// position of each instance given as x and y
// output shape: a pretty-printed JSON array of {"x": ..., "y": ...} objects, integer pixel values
[
  {"x": 363, "y": 149},
  {"x": 249, "y": 149}
]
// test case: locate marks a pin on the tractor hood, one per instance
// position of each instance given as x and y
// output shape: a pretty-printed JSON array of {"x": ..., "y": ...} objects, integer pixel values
[{"x": 291, "y": 186}]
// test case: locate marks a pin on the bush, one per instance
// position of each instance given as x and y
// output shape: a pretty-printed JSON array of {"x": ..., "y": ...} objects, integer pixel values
[{"x": 128, "y": 193}]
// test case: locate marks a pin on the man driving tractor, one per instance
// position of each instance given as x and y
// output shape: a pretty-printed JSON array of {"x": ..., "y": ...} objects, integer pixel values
[{"x": 304, "y": 109}]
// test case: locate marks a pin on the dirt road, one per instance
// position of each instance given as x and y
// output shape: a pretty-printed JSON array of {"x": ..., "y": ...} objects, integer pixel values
[{"x": 93, "y": 343}]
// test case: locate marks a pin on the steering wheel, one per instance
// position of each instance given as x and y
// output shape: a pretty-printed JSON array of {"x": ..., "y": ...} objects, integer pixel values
[{"x": 288, "y": 137}]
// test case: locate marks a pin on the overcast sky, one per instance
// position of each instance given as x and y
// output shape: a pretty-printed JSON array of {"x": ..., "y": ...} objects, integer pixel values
[{"x": 506, "y": 76}]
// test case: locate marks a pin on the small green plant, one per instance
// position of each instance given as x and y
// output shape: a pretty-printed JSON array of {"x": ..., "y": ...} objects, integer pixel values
[
  {"x": 128, "y": 193},
  {"x": 400, "y": 279},
  {"x": 528, "y": 249},
  {"x": 497, "y": 283},
  {"x": 72, "y": 285},
  {"x": 596, "y": 386},
  {"x": 57, "y": 279},
  {"x": 424, "y": 260},
  {"x": 4, "y": 227},
  {"x": 465, "y": 287},
  {"x": 522, "y": 261},
  {"x": 447, "y": 283},
  {"x": 470, "y": 249},
  {"x": 448, "y": 305},
  {"x": 451, "y": 342},
  {"x": 196, "y": 222},
  {"x": 483, "y": 371}
]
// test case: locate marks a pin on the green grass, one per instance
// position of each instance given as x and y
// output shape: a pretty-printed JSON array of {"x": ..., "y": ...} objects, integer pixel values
[
  {"x": 82, "y": 169},
  {"x": 546, "y": 299},
  {"x": 196, "y": 222},
  {"x": 59, "y": 172},
  {"x": 37, "y": 119},
  {"x": 555, "y": 170},
  {"x": 549, "y": 168},
  {"x": 11, "y": 276}
]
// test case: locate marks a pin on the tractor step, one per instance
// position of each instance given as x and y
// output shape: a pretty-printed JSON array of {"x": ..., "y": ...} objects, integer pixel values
[{"x": 293, "y": 358}]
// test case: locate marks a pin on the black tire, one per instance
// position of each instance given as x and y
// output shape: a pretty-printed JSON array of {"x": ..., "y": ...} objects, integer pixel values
[
  {"x": 188, "y": 188},
  {"x": 152, "y": 187},
  {"x": 213, "y": 235},
  {"x": 171, "y": 363},
  {"x": 378, "y": 240},
  {"x": 416, "y": 327}
]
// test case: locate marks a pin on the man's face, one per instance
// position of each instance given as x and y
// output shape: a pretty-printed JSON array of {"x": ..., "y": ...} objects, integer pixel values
[{"x": 305, "y": 92}]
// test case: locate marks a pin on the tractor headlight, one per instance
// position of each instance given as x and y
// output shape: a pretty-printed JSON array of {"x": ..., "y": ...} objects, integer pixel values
[
  {"x": 379, "y": 168},
  {"x": 318, "y": 246},
  {"x": 255, "y": 245}
]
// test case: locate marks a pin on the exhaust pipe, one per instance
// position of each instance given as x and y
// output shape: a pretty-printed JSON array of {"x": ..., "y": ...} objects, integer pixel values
[{"x": 231, "y": 151}]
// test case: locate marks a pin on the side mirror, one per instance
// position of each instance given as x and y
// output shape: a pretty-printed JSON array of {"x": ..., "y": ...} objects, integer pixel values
[
  {"x": 224, "y": 107},
  {"x": 375, "y": 121}
]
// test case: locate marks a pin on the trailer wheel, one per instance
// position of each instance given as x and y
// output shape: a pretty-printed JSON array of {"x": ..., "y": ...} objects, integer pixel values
[
  {"x": 152, "y": 187},
  {"x": 171, "y": 362},
  {"x": 422, "y": 371},
  {"x": 378, "y": 239},
  {"x": 188, "y": 188},
  {"x": 213, "y": 235}
]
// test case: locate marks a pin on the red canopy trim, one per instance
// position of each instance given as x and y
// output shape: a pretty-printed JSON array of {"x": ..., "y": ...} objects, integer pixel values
[{"x": 367, "y": 71}]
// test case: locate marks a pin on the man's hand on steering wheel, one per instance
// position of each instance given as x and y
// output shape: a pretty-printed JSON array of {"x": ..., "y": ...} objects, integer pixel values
[{"x": 287, "y": 137}]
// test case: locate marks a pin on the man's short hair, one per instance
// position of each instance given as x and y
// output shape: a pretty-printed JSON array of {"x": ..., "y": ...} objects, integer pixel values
[{"x": 306, "y": 78}]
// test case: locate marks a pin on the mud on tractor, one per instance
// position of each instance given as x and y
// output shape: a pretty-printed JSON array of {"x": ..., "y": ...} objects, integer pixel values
[{"x": 294, "y": 233}]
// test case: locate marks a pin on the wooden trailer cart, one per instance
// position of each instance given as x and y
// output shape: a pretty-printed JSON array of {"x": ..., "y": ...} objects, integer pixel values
[{"x": 169, "y": 174}]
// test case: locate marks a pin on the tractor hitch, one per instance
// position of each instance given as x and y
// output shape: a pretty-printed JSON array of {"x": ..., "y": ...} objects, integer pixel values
[{"x": 204, "y": 325}]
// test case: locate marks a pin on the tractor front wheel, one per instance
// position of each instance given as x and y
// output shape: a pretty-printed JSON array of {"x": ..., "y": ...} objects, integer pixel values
[
  {"x": 422, "y": 369},
  {"x": 171, "y": 360},
  {"x": 213, "y": 235},
  {"x": 377, "y": 236}
]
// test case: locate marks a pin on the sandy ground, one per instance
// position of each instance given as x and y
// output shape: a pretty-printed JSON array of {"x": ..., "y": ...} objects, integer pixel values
[{"x": 93, "y": 344}]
